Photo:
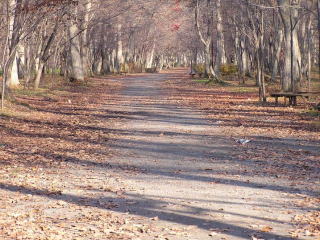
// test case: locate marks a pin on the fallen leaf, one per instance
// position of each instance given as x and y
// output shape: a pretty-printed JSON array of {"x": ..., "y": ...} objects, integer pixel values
[{"x": 266, "y": 229}]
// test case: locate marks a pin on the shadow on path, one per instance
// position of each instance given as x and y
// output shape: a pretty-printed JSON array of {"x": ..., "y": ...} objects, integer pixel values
[{"x": 152, "y": 208}]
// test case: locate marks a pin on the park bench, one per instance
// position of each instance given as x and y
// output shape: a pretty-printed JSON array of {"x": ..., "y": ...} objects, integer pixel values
[
  {"x": 123, "y": 73},
  {"x": 151, "y": 70},
  {"x": 292, "y": 96},
  {"x": 192, "y": 73}
]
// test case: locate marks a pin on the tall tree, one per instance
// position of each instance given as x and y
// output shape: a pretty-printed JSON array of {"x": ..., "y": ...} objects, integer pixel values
[
  {"x": 206, "y": 38},
  {"x": 220, "y": 46},
  {"x": 289, "y": 11},
  {"x": 77, "y": 72}
]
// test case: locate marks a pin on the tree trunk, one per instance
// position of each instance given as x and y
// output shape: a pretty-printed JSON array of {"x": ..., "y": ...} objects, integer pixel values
[
  {"x": 39, "y": 75},
  {"x": 161, "y": 62},
  {"x": 105, "y": 62},
  {"x": 37, "y": 58},
  {"x": 243, "y": 57},
  {"x": 150, "y": 56},
  {"x": 309, "y": 58},
  {"x": 114, "y": 61},
  {"x": 21, "y": 60},
  {"x": 28, "y": 66},
  {"x": 276, "y": 57},
  {"x": 13, "y": 76},
  {"x": 292, "y": 63},
  {"x": 77, "y": 73},
  {"x": 209, "y": 71},
  {"x": 12, "y": 79},
  {"x": 318, "y": 9},
  {"x": 207, "y": 42},
  {"x": 260, "y": 71},
  {"x": 195, "y": 58},
  {"x": 44, "y": 54},
  {"x": 119, "y": 48},
  {"x": 85, "y": 43},
  {"x": 220, "y": 48}
]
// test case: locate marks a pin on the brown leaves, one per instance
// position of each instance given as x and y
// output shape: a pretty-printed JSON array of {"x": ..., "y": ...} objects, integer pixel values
[
  {"x": 48, "y": 147},
  {"x": 309, "y": 224},
  {"x": 239, "y": 112},
  {"x": 266, "y": 229},
  {"x": 283, "y": 147}
]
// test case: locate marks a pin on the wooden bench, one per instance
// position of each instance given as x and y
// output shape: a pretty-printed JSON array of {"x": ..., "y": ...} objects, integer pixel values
[
  {"x": 192, "y": 74},
  {"x": 151, "y": 70},
  {"x": 293, "y": 96},
  {"x": 123, "y": 73}
]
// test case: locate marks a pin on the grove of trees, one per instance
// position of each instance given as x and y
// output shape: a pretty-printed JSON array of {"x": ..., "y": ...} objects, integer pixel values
[{"x": 273, "y": 39}]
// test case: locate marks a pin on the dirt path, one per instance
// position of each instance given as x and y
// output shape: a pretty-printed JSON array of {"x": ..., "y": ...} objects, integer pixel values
[
  {"x": 187, "y": 178},
  {"x": 141, "y": 167}
]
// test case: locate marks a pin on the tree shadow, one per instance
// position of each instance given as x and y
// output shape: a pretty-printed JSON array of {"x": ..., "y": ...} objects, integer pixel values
[
  {"x": 147, "y": 208},
  {"x": 189, "y": 173}
]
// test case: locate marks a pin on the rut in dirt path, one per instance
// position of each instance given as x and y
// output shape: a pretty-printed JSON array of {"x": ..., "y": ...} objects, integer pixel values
[{"x": 180, "y": 170}]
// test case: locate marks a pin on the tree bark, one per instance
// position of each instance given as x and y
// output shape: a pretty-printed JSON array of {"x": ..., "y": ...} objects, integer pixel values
[
  {"x": 220, "y": 48},
  {"x": 77, "y": 73},
  {"x": 207, "y": 42},
  {"x": 85, "y": 43},
  {"x": 21, "y": 60},
  {"x": 44, "y": 54},
  {"x": 39, "y": 74},
  {"x": 12, "y": 79},
  {"x": 292, "y": 62},
  {"x": 119, "y": 48},
  {"x": 151, "y": 56},
  {"x": 277, "y": 52}
]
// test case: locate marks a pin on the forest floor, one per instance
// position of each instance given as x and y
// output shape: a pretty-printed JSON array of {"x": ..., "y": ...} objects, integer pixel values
[{"x": 157, "y": 156}]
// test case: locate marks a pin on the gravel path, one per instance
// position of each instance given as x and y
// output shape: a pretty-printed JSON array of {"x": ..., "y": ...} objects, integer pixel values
[
  {"x": 144, "y": 167},
  {"x": 185, "y": 177}
]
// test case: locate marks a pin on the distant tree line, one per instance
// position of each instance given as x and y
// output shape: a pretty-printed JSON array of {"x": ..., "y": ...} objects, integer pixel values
[{"x": 82, "y": 38}]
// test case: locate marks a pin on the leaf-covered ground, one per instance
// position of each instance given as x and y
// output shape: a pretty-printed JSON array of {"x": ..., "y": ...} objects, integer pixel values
[
  {"x": 284, "y": 140},
  {"x": 119, "y": 159},
  {"x": 51, "y": 147}
]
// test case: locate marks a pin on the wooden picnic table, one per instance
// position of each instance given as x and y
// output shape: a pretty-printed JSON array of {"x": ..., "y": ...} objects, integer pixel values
[{"x": 292, "y": 96}]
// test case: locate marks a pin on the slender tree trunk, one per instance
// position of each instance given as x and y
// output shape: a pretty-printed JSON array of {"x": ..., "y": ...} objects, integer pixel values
[
  {"x": 262, "y": 88},
  {"x": 39, "y": 75},
  {"x": 236, "y": 46},
  {"x": 161, "y": 63},
  {"x": 309, "y": 58},
  {"x": 37, "y": 58},
  {"x": 292, "y": 63},
  {"x": 12, "y": 79},
  {"x": 318, "y": 8},
  {"x": 77, "y": 73},
  {"x": 44, "y": 55},
  {"x": 114, "y": 63},
  {"x": 84, "y": 35},
  {"x": 276, "y": 57},
  {"x": 207, "y": 42},
  {"x": 119, "y": 47},
  {"x": 56, "y": 55},
  {"x": 195, "y": 58},
  {"x": 151, "y": 56},
  {"x": 105, "y": 62},
  {"x": 21, "y": 60},
  {"x": 209, "y": 71},
  {"x": 243, "y": 57},
  {"x": 13, "y": 76},
  {"x": 220, "y": 48}
]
